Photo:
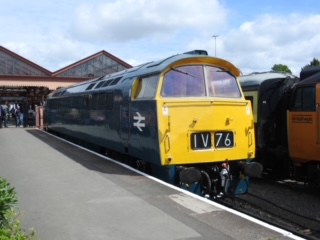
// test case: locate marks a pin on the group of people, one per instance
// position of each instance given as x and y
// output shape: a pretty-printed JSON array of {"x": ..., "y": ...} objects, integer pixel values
[{"x": 11, "y": 111}]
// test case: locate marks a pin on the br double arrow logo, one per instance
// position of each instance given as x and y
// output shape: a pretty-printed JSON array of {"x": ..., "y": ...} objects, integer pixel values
[{"x": 138, "y": 121}]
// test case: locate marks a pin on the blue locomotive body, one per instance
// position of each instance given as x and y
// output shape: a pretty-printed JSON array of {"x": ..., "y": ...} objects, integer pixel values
[{"x": 188, "y": 137}]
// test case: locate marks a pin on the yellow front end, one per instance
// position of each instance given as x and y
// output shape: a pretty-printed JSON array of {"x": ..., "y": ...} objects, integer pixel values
[{"x": 203, "y": 131}]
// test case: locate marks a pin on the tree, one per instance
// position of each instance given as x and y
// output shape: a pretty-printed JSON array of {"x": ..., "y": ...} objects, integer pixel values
[
  {"x": 281, "y": 68},
  {"x": 314, "y": 62}
]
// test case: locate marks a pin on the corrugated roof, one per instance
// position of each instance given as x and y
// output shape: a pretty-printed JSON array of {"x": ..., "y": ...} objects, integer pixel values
[
  {"x": 51, "y": 81},
  {"x": 41, "y": 69},
  {"x": 89, "y": 58},
  {"x": 103, "y": 52}
]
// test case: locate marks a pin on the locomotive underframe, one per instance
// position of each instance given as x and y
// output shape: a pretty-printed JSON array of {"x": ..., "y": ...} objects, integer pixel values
[{"x": 210, "y": 180}]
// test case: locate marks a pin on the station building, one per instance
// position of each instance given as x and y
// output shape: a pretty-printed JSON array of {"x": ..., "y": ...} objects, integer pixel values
[
  {"x": 23, "y": 80},
  {"x": 27, "y": 84}
]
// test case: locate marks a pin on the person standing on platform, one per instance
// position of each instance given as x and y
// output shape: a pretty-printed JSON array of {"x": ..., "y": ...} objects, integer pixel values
[
  {"x": 31, "y": 117},
  {"x": 6, "y": 116},
  {"x": 17, "y": 115},
  {"x": 12, "y": 110},
  {"x": 21, "y": 118},
  {"x": 1, "y": 115}
]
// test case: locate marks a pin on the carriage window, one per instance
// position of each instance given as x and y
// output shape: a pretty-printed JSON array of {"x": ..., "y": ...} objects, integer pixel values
[
  {"x": 147, "y": 87},
  {"x": 186, "y": 81},
  {"x": 222, "y": 83},
  {"x": 304, "y": 99}
]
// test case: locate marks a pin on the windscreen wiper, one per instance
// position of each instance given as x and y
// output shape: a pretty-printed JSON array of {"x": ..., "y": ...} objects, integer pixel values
[
  {"x": 186, "y": 73},
  {"x": 226, "y": 71}
]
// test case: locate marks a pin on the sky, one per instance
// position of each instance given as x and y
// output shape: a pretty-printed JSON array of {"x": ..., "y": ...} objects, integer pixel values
[{"x": 254, "y": 35}]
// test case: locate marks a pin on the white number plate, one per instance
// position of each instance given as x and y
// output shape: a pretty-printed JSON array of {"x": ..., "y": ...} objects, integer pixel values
[
  {"x": 223, "y": 139},
  {"x": 201, "y": 140}
]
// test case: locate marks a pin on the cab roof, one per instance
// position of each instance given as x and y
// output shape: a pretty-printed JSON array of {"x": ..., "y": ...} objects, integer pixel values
[{"x": 257, "y": 78}]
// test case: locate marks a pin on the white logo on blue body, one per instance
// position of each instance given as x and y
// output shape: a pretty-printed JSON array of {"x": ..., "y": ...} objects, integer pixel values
[{"x": 138, "y": 121}]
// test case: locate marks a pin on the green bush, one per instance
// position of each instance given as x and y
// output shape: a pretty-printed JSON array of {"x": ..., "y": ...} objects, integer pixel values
[
  {"x": 9, "y": 222},
  {"x": 8, "y": 200}
]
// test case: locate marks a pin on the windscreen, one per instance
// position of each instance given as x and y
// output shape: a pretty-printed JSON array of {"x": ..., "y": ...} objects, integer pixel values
[{"x": 199, "y": 81}]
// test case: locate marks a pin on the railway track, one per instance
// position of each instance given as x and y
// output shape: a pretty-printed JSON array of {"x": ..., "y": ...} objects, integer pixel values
[{"x": 289, "y": 207}]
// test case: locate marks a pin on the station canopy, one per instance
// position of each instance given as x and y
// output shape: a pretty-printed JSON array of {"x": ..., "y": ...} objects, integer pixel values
[{"x": 19, "y": 77}]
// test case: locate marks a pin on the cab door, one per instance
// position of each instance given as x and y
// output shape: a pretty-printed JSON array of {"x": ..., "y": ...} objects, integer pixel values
[{"x": 303, "y": 124}]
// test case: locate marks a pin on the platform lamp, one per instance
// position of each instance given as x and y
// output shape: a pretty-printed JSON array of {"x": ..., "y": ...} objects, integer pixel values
[{"x": 215, "y": 44}]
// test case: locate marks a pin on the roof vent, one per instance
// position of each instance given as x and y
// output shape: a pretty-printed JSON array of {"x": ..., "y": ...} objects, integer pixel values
[{"x": 197, "y": 52}]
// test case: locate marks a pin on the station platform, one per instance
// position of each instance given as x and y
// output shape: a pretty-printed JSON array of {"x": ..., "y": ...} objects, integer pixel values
[{"x": 69, "y": 193}]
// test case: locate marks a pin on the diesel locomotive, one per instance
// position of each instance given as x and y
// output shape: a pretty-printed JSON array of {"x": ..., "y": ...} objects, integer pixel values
[
  {"x": 286, "y": 116},
  {"x": 304, "y": 126},
  {"x": 182, "y": 119}
]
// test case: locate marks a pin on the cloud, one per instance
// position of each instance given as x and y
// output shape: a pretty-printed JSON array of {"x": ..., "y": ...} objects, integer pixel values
[
  {"x": 128, "y": 20},
  {"x": 258, "y": 45},
  {"x": 51, "y": 52},
  {"x": 139, "y": 31}
]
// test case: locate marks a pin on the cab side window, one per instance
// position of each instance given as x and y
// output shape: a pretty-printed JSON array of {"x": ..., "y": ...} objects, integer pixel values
[
  {"x": 147, "y": 87},
  {"x": 304, "y": 99}
]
